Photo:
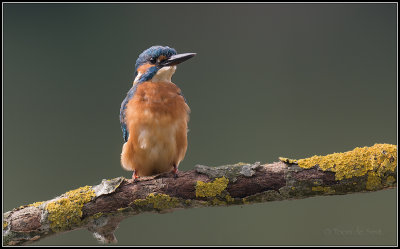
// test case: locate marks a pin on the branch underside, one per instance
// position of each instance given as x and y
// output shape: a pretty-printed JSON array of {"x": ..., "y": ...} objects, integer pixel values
[{"x": 100, "y": 208}]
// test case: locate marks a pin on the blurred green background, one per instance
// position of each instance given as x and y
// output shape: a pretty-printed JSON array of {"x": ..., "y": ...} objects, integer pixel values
[{"x": 268, "y": 80}]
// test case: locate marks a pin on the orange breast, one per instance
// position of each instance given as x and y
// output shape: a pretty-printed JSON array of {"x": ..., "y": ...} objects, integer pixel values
[{"x": 156, "y": 118}]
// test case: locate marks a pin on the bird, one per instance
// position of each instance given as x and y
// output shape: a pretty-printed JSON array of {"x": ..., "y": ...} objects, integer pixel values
[{"x": 154, "y": 115}]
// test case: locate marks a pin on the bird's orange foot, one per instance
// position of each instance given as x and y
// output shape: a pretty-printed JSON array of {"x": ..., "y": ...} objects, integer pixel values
[
  {"x": 135, "y": 177},
  {"x": 175, "y": 171}
]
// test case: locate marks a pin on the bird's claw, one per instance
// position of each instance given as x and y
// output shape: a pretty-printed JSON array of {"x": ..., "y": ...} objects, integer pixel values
[
  {"x": 135, "y": 177},
  {"x": 175, "y": 171}
]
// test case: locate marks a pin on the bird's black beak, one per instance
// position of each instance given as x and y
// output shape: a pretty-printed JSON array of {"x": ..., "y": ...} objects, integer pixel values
[{"x": 176, "y": 59}]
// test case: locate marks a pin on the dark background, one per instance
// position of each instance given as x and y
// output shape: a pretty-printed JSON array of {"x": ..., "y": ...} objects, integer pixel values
[{"x": 268, "y": 80}]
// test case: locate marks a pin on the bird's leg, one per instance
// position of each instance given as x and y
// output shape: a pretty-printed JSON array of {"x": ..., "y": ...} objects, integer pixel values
[
  {"x": 175, "y": 171},
  {"x": 135, "y": 176}
]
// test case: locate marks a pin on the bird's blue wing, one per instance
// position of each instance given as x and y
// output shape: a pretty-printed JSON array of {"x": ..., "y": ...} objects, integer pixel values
[
  {"x": 129, "y": 95},
  {"x": 125, "y": 133}
]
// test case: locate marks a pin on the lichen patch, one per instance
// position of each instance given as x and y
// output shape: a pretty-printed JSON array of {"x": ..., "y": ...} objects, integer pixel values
[
  {"x": 66, "y": 212},
  {"x": 379, "y": 158},
  {"x": 390, "y": 181},
  {"x": 158, "y": 201},
  {"x": 36, "y": 204},
  {"x": 373, "y": 181},
  {"x": 211, "y": 189},
  {"x": 288, "y": 160},
  {"x": 5, "y": 224}
]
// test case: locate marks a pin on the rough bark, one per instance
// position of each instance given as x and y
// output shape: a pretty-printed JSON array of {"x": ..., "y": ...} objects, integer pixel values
[{"x": 100, "y": 208}]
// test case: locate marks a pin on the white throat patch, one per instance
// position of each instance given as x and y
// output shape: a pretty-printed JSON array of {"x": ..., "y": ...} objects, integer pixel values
[{"x": 164, "y": 74}]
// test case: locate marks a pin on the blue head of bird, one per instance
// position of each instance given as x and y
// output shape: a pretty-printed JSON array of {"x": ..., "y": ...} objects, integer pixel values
[{"x": 158, "y": 63}]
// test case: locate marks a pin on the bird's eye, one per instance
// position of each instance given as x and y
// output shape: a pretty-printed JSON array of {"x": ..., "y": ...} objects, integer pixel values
[{"x": 153, "y": 60}]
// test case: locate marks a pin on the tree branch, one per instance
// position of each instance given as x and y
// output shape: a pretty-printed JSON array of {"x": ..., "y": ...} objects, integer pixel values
[{"x": 100, "y": 208}]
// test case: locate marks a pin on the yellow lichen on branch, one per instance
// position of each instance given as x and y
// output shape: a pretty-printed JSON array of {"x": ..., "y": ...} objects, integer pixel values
[
  {"x": 288, "y": 160},
  {"x": 211, "y": 189},
  {"x": 66, "y": 212},
  {"x": 374, "y": 161},
  {"x": 158, "y": 201},
  {"x": 36, "y": 204}
]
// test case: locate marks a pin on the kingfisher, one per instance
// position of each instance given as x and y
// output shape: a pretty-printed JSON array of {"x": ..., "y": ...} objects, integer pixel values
[{"x": 154, "y": 115}]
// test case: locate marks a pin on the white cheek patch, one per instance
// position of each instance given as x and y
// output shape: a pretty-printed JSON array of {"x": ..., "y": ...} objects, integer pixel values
[{"x": 164, "y": 74}]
